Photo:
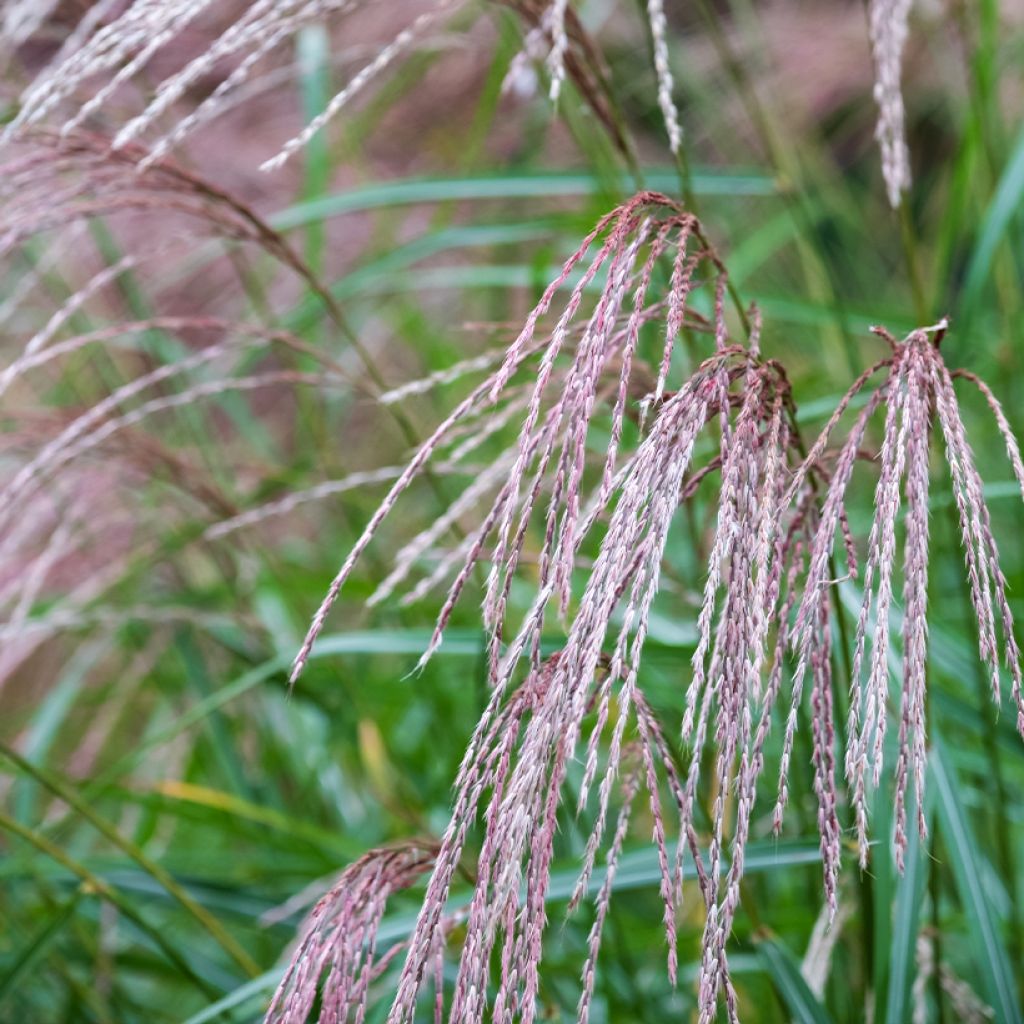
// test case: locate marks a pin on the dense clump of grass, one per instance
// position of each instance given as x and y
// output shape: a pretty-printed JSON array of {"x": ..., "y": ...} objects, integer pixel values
[{"x": 621, "y": 434}]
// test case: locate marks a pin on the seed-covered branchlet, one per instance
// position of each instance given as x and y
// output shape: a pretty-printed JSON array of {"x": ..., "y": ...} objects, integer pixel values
[
  {"x": 663, "y": 71},
  {"x": 583, "y": 369},
  {"x": 21, "y": 19},
  {"x": 917, "y": 394},
  {"x": 125, "y": 47},
  {"x": 887, "y": 21},
  {"x": 51, "y": 183},
  {"x": 506, "y": 917},
  {"x": 337, "y": 957},
  {"x": 757, "y": 546},
  {"x": 552, "y": 26}
]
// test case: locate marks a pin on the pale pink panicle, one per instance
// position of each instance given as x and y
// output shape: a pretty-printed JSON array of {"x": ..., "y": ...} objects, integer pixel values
[
  {"x": 584, "y": 361},
  {"x": 887, "y": 22},
  {"x": 917, "y": 392},
  {"x": 587, "y": 366},
  {"x": 105, "y": 52},
  {"x": 337, "y": 957},
  {"x": 115, "y": 43},
  {"x": 574, "y": 369}
]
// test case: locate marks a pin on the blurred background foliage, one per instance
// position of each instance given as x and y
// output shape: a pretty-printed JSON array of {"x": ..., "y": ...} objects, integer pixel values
[{"x": 169, "y": 810}]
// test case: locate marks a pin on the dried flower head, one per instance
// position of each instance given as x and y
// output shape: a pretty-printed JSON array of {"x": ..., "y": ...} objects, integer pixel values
[
  {"x": 887, "y": 22},
  {"x": 54, "y": 192},
  {"x": 337, "y": 958},
  {"x": 581, "y": 376},
  {"x": 917, "y": 390},
  {"x": 115, "y": 44},
  {"x": 117, "y": 50},
  {"x": 585, "y": 369}
]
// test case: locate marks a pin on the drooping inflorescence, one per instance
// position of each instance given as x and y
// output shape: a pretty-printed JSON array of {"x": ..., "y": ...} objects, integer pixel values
[
  {"x": 887, "y": 23},
  {"x": 336, "y": 958},
  {"x": 559, "y": 383},
  {"x": 114, "y": 45},
  {"x": 768, "y": 590},
  {"x": 584, "y": 378},
  {"x": 917, "y": 394}
]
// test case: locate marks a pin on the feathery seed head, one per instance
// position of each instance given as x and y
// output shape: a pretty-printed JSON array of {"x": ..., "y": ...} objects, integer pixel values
[
  {"x": 584, "y": 369},
  {"x": 918, "y": 395},
  {"x": 337, "y": 956},
  {"x": 887, "y": 22}
]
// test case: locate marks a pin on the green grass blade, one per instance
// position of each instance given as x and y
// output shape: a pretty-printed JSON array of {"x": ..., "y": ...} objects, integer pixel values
[
  {"x": 37, "y": 946},
  {"x": 641, "y": 868},
  {"x": 902, "y": 962},
  {"x": 464, "y": 643},
  {"x": 1001, "y": 211},
  {"x": 238, "y": 809},
  {"x": 50, "y": 717},
  {"x": 251, "y": 997},
  {"x": 313, "y": 56},
  {"x": 102, "y": 888},
  {"x": 222, "y": 741},
  {"x": 202, "y": 916},
  {"x": 518, "y": 186},
  {"x": 989, "y": 952},
  {"x": 781, "y": 966},
  {"x": 879, "y": 882}
]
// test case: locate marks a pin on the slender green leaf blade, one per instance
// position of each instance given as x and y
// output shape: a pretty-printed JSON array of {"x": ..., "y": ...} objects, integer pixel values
[
  {"x": 1004, "y": 205},
  {"x": 989, "y": 952},
  {"x": 781, "y": 966},
  {"x": 515, "y": 186},
  {"x": 902, "y": 964}
]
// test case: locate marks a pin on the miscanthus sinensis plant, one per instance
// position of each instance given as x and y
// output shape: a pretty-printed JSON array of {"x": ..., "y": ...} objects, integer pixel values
[
  {"x": 768, "y": 592},
  {"x": 638, "y": 406}
]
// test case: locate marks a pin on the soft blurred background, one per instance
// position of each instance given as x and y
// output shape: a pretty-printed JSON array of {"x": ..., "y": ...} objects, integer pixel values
[{"x": 170, "y": 810}]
